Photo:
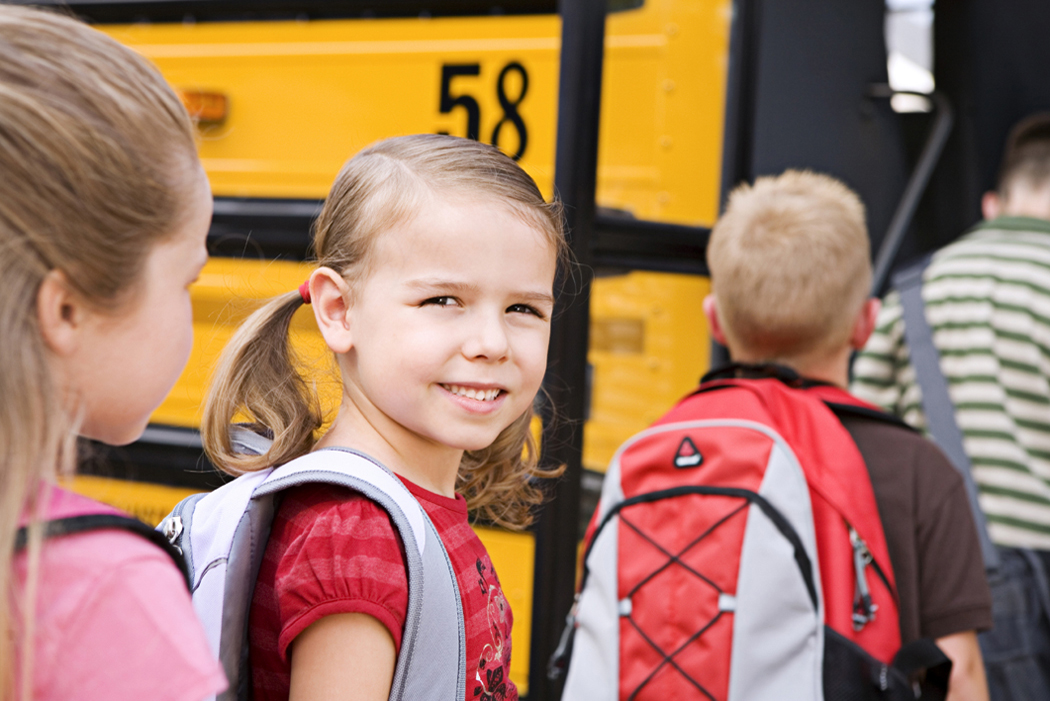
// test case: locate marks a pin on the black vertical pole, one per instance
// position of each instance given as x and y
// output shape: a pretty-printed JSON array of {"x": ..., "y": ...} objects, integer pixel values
[
  {"x": 575, "y": 172},
  {"x": 741, "y": 82}
]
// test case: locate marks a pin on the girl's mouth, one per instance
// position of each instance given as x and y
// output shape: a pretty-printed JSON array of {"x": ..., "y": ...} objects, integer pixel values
[{"x": 481, "y": 395}]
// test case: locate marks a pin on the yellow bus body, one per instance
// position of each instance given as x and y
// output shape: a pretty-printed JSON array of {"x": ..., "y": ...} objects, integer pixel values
[{"x": 303, "y": 96}]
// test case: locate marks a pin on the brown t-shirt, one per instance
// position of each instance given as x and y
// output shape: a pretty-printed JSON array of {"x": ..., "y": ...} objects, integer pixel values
[{"x": 929, "y": 529}]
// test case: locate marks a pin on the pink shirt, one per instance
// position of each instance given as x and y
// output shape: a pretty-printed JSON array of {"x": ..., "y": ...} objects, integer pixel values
[{"x": 113, "y": 619}]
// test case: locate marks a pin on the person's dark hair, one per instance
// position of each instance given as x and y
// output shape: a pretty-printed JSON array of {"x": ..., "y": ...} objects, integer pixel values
[{"x": 1027, "y": 153}]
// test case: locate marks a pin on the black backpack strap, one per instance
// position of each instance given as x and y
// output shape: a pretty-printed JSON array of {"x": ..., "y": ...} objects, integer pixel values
[
  {"x": 792, "y": 379},
  {"x": 924, "y": 664},
  {"x": 919, "y": 671},
  {"x": 757, "y": 371},
  {"x": 843, "y": 411},
  {"x": 93, "y": 522},
  {"x": 936, "y": 401}
]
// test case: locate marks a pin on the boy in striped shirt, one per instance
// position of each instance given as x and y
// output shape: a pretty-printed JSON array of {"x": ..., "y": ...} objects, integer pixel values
[{"x": 987, "y": 299}]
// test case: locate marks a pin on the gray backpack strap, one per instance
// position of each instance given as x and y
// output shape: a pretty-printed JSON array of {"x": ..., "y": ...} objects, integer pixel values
[
  {"x": 242, "y": 569},
  {"x": 432, "y": 659},
  {"x": 245, "y": 441},
  {"x": 936, "y": 402}
]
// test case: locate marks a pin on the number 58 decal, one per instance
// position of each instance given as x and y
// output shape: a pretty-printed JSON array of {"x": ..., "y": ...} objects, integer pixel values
[{"x": 449, "y": 101}]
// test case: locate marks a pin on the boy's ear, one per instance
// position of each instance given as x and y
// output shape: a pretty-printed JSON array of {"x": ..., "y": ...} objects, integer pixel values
[
  {"x": 330, "y": 299},
  {"x": 991, "y": 205},
  {"x": 864, "y": 325},
  {"x": 60, "y": 314},
  {"x": 713, "y": 321}
]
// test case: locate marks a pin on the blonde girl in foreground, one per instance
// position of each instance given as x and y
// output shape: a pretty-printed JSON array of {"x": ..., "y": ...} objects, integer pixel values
[
  {"x": 437, "y": 260},
  {"x": 104, "y": 211}
]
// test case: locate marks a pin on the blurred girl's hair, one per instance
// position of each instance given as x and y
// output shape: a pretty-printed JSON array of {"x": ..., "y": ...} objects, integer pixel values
[{"x": 97, "y": 158}]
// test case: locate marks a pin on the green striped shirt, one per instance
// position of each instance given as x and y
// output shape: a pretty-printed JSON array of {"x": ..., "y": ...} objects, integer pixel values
[{"x": 988, "y": 302}]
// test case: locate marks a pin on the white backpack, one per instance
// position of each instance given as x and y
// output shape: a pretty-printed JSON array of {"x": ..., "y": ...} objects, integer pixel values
[{"x": 223, "y": 535}]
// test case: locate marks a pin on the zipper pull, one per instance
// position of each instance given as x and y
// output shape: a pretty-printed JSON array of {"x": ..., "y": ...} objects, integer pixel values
[
  {"x": 559, "y": 661},
  {"x": 172, "y": 530},
  {"x": 863, "y": 607}
]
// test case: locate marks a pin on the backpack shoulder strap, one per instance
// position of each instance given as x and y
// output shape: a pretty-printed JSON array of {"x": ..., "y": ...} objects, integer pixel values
[
  {"x": 842, "y": 410},
  {"x": 432, "y": 660},
  {"x": 92, "y": 522},
  {"x": 224, "y": 535},
  {"x": 936, "y": 401}
]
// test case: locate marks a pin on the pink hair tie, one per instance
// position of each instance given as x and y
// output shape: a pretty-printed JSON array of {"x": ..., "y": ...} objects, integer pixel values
[{"x": 304, "y": 292}]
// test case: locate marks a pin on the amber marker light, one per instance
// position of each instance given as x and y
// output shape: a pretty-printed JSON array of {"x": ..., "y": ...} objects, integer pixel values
[{"x": 208, "y": 108}]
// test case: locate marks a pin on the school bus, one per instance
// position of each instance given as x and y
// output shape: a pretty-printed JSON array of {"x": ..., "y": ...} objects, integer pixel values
[{"x": 285, "y": 92}]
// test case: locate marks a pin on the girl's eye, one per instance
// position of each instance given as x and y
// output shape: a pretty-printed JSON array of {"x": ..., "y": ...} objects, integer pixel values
[
  {"x": 440, "y": 301},
  {"x": 525, "y": 309}
]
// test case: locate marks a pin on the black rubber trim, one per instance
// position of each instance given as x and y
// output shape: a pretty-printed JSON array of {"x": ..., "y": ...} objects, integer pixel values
[
  {"x": 130, "y": 11},
  {"x": 93, "y": 522},
  {"x": 771, "y": 512},
  {"x": 625, "y": 242},
  {"x": 266, "y": 228},
  {"x": 168, "y": 455}
]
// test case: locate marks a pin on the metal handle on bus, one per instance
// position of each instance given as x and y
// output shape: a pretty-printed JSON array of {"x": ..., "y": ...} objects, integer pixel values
[{"x": 920, "y": 178}]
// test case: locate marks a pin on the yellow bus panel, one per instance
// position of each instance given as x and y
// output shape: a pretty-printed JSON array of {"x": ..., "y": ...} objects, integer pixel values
[
  {"x": 305, "y": 96},
  {"x": 648, "y": 347}
]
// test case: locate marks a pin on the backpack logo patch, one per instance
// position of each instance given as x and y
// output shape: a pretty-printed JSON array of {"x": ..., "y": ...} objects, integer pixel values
[{"x": 687, "y": 455}]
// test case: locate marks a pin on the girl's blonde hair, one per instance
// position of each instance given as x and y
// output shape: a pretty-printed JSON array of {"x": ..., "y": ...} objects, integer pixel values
[
  {"x": 97, "y": 156},
  {"x": 382, "y": 186}
]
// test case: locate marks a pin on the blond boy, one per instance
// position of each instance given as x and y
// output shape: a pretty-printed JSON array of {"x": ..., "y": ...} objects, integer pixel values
[{"x": 790, "y": 271}]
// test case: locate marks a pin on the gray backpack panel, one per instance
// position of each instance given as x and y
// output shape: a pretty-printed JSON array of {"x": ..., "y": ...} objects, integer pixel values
[{"x": 432, "y": 660}]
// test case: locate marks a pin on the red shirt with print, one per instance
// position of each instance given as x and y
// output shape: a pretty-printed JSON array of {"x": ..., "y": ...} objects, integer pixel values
[{"x": 334, "y": 551}]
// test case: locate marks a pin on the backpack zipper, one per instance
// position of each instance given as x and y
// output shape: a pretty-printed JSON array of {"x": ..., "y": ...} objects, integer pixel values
[
  {"x": 864, "y": 608},
  {"x": 559, "y": 661},
  {"x": 172, "y": 528}
]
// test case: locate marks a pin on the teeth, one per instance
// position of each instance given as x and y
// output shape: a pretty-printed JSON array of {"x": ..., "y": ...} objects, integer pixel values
[{"x": 481, "y": 395}]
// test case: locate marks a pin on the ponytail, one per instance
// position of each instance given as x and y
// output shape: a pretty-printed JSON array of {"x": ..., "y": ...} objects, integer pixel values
[
  {"x": 256, "y": 380},
  {"x": 380, "y": 187}
]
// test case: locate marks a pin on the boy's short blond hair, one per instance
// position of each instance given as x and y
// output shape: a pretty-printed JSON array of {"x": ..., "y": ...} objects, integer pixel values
[{"x": 790, "y": 266}]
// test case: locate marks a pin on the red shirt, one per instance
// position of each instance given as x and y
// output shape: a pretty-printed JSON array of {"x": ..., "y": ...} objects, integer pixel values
[{"x": 334, "y": 551}]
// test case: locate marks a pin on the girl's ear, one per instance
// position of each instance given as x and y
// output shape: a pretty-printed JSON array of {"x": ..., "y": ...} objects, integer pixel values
[
  {"x": 60, "y": 314},
  {"x": 330, "y": 298}
]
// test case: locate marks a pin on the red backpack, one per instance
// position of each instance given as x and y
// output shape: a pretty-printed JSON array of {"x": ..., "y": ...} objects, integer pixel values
[{"x": 737, "y": 554}]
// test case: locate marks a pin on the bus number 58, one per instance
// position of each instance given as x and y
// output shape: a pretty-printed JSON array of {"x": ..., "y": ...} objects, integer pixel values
[{"x": 510, "y": 117}]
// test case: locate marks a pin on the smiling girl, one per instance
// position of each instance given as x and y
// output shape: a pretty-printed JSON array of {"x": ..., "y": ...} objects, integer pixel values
[{"x": 437, "y": 261}]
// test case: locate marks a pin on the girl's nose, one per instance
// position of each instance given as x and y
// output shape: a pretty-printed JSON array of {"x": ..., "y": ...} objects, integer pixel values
[{"x": 487, "y": 338}]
